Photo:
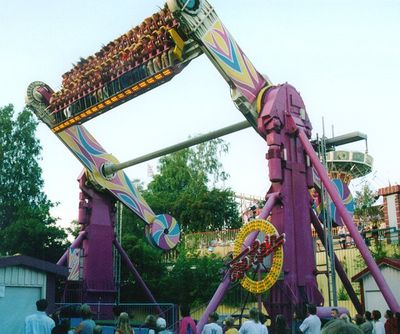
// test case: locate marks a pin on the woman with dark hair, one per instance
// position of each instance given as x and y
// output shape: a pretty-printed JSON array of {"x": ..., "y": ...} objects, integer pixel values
[
  {"x": 379, "y": 327},
  {"x": 298, "y": 317},
  {"x": 187, "y": 324},
  {"x": 281, "y": 326},
  {"x": 391, "y": 323}
]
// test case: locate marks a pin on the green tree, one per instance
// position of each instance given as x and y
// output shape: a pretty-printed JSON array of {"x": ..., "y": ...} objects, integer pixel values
[
  {"x": 364, "y": 206},
  {"x": 186, "y": 189},
  {"x": 191, "y": 279},
  {"x": 25, "y": 222}
]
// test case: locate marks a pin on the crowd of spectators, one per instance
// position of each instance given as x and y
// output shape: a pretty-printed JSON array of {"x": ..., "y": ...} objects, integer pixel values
[
  {"x": 142, "y": 51},
  {"x": 310, "y": 323}
]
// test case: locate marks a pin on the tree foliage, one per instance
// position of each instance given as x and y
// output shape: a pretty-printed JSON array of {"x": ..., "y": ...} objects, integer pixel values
[
  {"x": 186, "y": 189},
  {"x": 189, "y": 278},
  {"x": 364, "y": 205},
  {"x": 25, "y": 222}
]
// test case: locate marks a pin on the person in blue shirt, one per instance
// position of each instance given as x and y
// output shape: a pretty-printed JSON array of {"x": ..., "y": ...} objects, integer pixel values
[
  {"x": 39, "y": 322},
  {"x": 87, "y": 325},
  {"x": 311, "y": 324}
]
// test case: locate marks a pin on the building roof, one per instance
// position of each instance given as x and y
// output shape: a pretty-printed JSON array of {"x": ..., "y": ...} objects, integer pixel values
[
  {"x": 393, "y": 263},
  {"x": 389, "y": 190},
  {"x": 33, "y": 263}
]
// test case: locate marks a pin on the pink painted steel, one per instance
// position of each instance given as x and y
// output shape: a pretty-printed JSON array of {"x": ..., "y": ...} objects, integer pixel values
[
  {"x": 369, "y": 260},
  {"x": 282, "y": 113}
]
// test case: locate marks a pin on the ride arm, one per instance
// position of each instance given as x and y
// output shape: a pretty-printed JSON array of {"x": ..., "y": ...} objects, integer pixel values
[
  {"x": 200, "y": 21},
  {"x": 93, "y": 156}
]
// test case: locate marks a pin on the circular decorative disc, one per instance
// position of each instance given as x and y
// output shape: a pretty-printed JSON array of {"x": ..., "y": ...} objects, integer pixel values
[
  {"x": 269, "y": 278},
  {"x": 164, "y": 232}
]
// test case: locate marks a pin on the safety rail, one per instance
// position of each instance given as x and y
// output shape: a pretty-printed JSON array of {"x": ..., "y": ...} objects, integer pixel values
[
  {"x": 106, "y": 313},
  {"x": 120, "y": 92}
]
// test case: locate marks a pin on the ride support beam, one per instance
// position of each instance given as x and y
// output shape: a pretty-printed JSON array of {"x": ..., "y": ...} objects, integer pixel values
[
  {"x": 338, "y": 266},
  {"x": 224, "y": 285},
  {"x": 136, "y": 274},
  {"x": 365, "y": 253},
  {"x": 108, "y": 170}
]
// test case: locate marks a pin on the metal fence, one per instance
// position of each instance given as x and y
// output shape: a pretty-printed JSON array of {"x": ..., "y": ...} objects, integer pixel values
[{"x": 107, "y": 313}]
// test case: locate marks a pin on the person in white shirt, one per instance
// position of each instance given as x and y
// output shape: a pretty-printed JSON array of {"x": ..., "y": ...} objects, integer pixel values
[
  {"x": 379, "y": 326},
  {"x": 212, "y": 327},
  {"x": 311, "y": 324},
  {"x": 253, "y": 325},
  {"x": 39, "y": 322}
]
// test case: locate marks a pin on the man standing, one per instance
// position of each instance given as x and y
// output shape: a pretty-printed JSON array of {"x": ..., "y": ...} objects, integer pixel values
[
  {"x": 253, "y": 325},
  {"x": 334, "y": 313},
  {"x": 367, "y": 327},
  {"x": 311, "y": 324},
  {"x": 212, "y": 327},
  {"x": 39, "y": 322}
]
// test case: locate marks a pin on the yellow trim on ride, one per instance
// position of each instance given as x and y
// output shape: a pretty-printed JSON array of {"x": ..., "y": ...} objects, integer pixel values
[
  {"x": 113, "y": 99},
  {"x": 260, "y": 96},
  {"x": 179, "y": 43},
  {"x": 260, "y": 225}
]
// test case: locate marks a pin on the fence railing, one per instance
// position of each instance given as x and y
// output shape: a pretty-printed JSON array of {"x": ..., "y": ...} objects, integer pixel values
[{"x": 107, "y": 313}]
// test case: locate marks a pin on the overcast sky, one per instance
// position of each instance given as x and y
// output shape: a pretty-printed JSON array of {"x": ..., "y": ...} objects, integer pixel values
[{"x": 342, "y": 56}]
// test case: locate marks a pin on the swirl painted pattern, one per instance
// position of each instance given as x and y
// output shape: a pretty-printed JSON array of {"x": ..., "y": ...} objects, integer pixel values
[
  {"x": 93, "y": 156},
  {"x": 233, "y": 61},
  {"x": 163, "y": 232}
]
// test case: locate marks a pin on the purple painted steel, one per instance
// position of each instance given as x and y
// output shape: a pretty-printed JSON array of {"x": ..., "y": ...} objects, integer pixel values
[
  {"x": 369, "y": 260},
  {"x": 98, "y": 271},
  {"x": 76, "y": 244},
  {"x": 338, "y": 266},
  {"x": 221, "y": 290},
  {"x": 135, "y": 273},
  {"x": 283, "y": 111}
]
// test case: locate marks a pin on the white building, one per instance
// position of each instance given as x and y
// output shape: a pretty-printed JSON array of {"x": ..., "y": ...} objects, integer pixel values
[
  {"x": 23, "y": 281},
  {"x": 371, "y": 296}
]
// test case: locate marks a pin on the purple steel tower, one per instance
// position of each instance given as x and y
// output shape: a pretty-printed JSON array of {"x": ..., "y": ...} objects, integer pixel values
[
  {"x": 291, "y": 175},
  {"x": 97, "y": 218}
]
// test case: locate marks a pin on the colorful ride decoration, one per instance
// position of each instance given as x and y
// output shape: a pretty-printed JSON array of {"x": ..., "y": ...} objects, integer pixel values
[
  {"x": 74, "y": 264},
  {"x": 163, "y": 232},
  {"x": 252, "y": 257},
  {"x": 347, "y": 198}
]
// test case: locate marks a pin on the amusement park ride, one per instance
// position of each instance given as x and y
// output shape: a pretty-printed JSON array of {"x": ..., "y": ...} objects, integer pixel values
[{"x": 276, "y": 112}]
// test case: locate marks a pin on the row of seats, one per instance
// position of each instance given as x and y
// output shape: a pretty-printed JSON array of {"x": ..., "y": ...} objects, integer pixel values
[{"x": 141, "y": 52}]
